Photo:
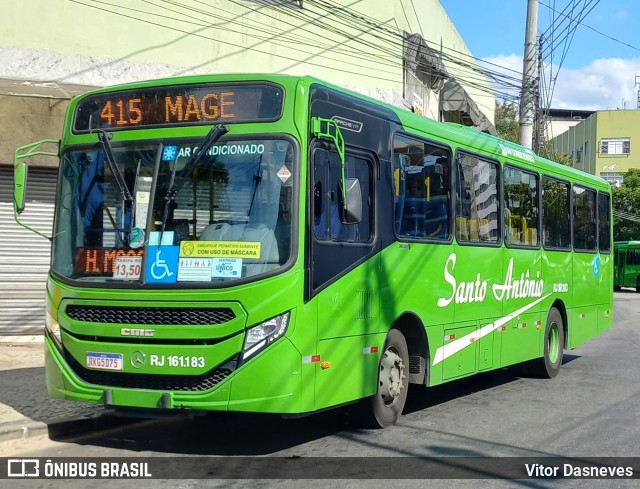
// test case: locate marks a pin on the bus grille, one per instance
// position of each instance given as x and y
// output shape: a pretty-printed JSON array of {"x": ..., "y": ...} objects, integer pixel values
[
  {"x": 150, "y": 315},
  {"x": 152, "y": 382}
]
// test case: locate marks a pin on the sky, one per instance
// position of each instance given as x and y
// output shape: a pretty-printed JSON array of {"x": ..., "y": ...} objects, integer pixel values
[{"x": 602, "y": 59}]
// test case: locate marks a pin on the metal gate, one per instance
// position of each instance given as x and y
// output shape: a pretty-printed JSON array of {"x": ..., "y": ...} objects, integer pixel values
[{"x": 24, "y": 256}]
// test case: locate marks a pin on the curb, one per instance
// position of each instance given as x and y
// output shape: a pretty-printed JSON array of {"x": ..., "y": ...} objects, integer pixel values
[
  {"x": 25, "y": 428},
  {"x": 64, "y": 428},
  {"x": 21, "y": 429},
  {"x": 22, "y": 339}
]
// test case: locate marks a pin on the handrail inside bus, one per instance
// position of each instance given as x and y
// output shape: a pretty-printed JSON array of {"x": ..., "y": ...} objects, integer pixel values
[{"x": 335, "y": 136}]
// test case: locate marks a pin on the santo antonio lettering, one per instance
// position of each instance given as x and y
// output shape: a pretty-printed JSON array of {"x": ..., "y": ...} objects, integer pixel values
[{"x": 511, "y": 288}]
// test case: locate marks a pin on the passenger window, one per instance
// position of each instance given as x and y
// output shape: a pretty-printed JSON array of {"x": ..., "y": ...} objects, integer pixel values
[
  {"x": 555, "y": 214},
  {"x": 477, "y": 202},
  {"x": 521, "y": 207},
  {"x": 584, "y": 219},
  {"x": 604, "y": 223},
  {"x": 422, "y": 196}
]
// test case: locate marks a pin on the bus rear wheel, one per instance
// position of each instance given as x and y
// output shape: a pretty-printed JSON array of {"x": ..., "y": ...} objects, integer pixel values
[
  {"x": 385, "y": 407},
  {"x": 549, "y": 365}
]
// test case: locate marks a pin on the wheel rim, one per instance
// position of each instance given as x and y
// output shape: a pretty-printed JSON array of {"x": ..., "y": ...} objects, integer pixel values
[
  {"x": 392, "y": 375},
  {"x": 554, "y": 343}
]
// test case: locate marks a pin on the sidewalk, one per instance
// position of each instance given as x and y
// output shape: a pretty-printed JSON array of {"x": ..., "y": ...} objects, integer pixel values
[{"x": 25, "y": 408}]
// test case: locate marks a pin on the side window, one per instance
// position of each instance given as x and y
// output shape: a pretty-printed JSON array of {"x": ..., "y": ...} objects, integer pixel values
[
  {"x": 604, "y": 223},
  {"x": 584, "y": 219},
  {"x": 556, "y": 222},
  {"x": 327, "y": 188},
  {"x": 477, "y": 200},
  {"x": 422, "y": 198},
  {"x": 520, "y": 207}
]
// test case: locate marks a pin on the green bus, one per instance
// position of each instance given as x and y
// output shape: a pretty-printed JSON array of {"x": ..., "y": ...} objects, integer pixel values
[
  {"x": 276, "y": 244},
  {"x": 626, "y": 259}
]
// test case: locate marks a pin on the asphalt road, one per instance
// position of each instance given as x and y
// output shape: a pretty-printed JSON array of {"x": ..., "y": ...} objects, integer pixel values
[{"x": 590, "y": 410}]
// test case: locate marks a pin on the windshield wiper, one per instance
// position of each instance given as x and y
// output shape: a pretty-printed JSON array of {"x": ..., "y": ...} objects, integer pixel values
[
  {"x": 103, "y": 137},
  {"x": 177, "y": 182}
]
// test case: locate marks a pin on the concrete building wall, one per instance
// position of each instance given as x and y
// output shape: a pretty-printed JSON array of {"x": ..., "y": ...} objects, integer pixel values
[
  {"x": 128, "y": 40},
  {"x": 24, "y": 120},
  {"x": 583, "y": 142},
  {"x": 555, "y": 128},
  {"x": 578, "y": 142},
  {"x": 612, "y": 124}
]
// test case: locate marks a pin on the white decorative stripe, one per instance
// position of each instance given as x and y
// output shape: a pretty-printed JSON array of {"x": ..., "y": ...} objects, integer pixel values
[{"x": 455, "y": 346}]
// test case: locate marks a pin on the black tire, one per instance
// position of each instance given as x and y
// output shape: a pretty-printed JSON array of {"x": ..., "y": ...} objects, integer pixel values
[
  {"x": 549, "y": 365},
  {"x": 616, "y": 288},
  {"x": 385, "y": 407},
  {"x": 638, "y": 284}
]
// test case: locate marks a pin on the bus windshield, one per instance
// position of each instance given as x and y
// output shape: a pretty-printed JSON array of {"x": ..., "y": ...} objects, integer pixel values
[{"x": 230, "y": 218}]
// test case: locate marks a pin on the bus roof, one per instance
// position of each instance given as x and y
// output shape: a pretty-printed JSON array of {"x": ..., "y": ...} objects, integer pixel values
[{"x": 455, "y": 134}]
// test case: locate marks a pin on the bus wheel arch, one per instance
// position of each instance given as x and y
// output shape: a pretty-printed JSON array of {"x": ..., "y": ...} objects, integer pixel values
[
  {"x": 414, "y": 332},
  {"x": 559, "y": 305}
]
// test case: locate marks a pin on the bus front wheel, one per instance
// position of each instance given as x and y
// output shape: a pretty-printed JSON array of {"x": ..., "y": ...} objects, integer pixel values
[
  {"x": 385, "y": 407},
  {"x": 549, "y": 365}
]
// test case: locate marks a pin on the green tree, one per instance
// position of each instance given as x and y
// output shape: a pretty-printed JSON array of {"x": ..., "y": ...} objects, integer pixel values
[
  {"x": 506, "y": 119},
  {"x": 626, "y": 198},
  {"x": 508, "y": 127},
  {"x": 550, "y": 152}
]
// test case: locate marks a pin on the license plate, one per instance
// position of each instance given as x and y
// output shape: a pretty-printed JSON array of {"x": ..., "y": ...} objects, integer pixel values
[{"x": 104, "y": 361}]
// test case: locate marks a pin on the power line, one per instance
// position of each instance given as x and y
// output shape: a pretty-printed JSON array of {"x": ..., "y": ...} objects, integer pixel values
[
  {"x": 384, "y": 43},
  {"x": 631, "y": 46},
  {"x": 566, "y": 36},
  {"x": 241, "y": 47}
]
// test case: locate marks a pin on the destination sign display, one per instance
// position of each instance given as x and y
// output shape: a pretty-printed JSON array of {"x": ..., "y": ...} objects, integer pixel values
[
  {"x": 101, "y": 261},
  {"x": 179, "y": 105}
]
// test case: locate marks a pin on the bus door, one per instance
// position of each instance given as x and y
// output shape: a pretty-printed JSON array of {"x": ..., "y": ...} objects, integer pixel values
[
  {"x": 344, "y": 276},
  {"x": 604, "y": 263},
  {"x": 583, "y": 323},
  {"x": 631, "y": 267}
]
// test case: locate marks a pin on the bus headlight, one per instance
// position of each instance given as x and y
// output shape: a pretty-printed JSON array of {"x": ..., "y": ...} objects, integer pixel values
[
  {"x": 53, "y": 327},
  {"x": 260, "y": 336}
]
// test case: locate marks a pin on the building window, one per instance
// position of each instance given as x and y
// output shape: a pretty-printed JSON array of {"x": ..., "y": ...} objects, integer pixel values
[
  {"x": 615, "y": 146},
  {"x": 615, "y": 179}
]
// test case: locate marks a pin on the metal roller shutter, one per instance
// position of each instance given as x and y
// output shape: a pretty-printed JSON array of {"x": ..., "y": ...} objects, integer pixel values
[{"x": 24, "y": 256}]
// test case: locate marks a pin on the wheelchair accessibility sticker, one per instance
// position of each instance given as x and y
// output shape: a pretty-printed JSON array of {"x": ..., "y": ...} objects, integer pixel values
[{"x": 162, "y": 264}]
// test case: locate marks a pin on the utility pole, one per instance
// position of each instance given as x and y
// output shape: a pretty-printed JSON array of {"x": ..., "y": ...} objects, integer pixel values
[
  {"x": 539, "y": 124},
  {"x": 527, "y": 96},
  {"x": 638, "y": 85}
]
